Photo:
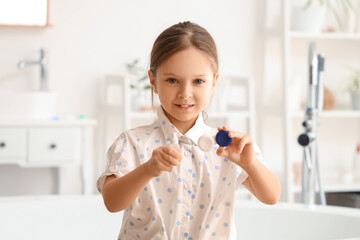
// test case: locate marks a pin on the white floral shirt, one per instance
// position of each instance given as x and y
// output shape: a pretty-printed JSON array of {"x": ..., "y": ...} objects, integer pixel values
[{"x": 194, "y": 201}]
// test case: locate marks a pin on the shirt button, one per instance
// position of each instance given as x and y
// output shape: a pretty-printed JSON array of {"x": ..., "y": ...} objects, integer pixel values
[
  {"x": 186, "y": 185},
  {"x": 184, "y": 219}
]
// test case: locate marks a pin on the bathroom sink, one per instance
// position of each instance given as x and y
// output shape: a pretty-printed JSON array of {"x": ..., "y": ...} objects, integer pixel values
[{"x": 26, "y": 104}]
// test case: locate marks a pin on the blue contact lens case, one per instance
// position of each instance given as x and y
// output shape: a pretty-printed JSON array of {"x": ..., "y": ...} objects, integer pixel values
[{"x": 223, "y": 139}]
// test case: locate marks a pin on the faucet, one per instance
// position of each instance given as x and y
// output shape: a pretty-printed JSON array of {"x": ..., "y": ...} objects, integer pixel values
[
  {"x": 43, "y": 61},
  {"x": 309, "y": 139}
]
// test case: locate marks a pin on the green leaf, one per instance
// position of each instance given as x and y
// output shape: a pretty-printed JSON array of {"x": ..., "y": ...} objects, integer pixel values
[
  {"x": 345, "y": 4},
  {"x": 307, "y": 5},
  {"x": 338, "y": 19},
  {"x": 350, "y": 5},
  {"x": 354, "y": 81}
]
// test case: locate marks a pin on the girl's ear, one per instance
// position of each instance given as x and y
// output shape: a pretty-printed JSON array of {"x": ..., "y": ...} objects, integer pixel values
[
  {"x": 213, "y": 87},
  {"x": 215, "y": 79},
  {"x": 214, "y": 83},
  {"x": 152, "y": 81}
]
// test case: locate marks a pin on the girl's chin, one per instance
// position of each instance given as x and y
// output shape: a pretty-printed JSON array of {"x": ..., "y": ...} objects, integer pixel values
[{"x": 182, "y": 116}]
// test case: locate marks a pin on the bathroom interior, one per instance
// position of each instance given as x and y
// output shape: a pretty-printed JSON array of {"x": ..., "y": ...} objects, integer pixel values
[{"x": 72, "y": 79}]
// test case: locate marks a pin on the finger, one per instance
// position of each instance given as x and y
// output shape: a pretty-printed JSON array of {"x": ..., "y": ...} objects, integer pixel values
[
  {"x": 157, "y": 166},
  {"x": 173, "y": 161},
  {"x": 164, "y": 167},
  {"x": 231, "y": 131},
  {"x": 169, "y": 160},
  {"x": 226, "y": 128},
  {"x": 236, "y": 135},
  {"x": 162, "y": 158},
  {"x": 173, "y": 152},
  {"x": 243, "y": 141},
  {"x": 222, "y": 152}
]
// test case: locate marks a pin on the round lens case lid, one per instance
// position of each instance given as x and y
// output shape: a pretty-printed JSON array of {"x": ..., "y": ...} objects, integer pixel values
[
  {"x": 206, "y": 143},
  {"x": 222, "y": 138}
]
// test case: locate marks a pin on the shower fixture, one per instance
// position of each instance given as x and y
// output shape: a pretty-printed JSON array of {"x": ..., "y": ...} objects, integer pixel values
[{"x": 309, "y": 139}]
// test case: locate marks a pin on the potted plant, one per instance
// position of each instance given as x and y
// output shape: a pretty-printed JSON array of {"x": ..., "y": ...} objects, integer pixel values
[
  {"x": 311, "y": 16},
  {"x": 354, "y": 89},
  {"x": 139, "y": 84}
]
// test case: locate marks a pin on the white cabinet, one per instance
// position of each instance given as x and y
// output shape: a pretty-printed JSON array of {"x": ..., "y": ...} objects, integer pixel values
[
  {"x": 48, "y": 145},
  {"x": 12, "y": 144},
  {"x": 67, "y": 145},
  {"x": 339, "y": 129}
]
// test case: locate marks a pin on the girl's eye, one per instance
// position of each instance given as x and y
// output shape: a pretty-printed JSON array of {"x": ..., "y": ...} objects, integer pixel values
[
  {"x": 198, "y": 81},
  {"x": 172, "y": 80}
]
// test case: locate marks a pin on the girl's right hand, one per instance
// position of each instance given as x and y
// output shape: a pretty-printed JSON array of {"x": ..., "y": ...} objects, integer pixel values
[{"x": 163, "y": 159}]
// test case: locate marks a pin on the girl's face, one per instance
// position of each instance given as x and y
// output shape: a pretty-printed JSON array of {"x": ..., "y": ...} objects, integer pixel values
[{"x": 185, "y": 83}]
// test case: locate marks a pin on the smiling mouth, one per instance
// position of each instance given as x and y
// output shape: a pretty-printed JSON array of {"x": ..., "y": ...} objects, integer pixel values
[{"x": 184, "y": 106}]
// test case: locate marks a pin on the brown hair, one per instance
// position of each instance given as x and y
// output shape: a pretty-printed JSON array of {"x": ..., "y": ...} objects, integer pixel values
[{"x": 179, "y": 37}]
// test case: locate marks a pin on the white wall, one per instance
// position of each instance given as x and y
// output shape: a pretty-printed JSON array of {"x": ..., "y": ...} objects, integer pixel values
[{"x": 89, "y": 39}]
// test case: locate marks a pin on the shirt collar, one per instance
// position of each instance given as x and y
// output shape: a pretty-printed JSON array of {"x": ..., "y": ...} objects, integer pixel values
[{"x": 168, "y": 128}]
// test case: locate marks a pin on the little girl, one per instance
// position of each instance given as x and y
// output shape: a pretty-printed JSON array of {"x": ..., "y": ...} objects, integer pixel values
[{"x": 176, "y": 191}]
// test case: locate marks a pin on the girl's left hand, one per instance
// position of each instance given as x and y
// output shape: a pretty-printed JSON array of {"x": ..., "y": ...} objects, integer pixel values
[{"x": 240, "y": 151}]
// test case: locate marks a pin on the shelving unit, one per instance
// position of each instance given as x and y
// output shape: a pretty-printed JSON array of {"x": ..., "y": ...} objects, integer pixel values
[
  {"x": 291, "y": 119},
  {"x": 335, "y": 36},
  {"x": 116, "y": 103}
]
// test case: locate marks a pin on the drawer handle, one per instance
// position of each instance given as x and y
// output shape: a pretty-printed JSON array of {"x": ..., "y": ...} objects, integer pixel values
[
  {"x": 2, "y": 144},
  {"x": 52, "y": 146}
]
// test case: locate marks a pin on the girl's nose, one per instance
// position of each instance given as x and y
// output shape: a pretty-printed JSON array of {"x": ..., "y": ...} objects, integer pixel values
[{"x": 185, "y": 91}]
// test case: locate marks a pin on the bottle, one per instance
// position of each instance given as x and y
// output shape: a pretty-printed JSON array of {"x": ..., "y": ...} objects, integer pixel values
[
  {"x": 174, "y": 142},
  {"x": 356, "y": 162},
  {"x": 206, "y": 142}
]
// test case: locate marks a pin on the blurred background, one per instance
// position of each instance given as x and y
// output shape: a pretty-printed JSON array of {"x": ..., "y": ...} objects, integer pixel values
[{"x": 72, "y": 79}]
